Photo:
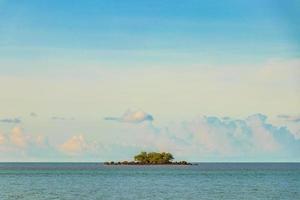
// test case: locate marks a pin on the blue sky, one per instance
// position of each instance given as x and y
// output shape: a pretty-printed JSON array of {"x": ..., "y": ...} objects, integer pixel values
[
  {"x": 212, "y": 31},
  {"x": 75, "y": 63}
]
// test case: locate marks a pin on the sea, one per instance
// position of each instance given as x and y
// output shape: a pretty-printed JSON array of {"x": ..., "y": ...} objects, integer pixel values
[{"x": 72, "y": 181}]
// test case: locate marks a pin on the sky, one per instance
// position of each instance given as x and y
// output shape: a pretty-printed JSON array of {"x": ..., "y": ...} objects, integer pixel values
[{"x": 208, "y": 81}]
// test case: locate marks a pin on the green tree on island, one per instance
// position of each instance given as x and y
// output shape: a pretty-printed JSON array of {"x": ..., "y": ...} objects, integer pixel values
[{"x": 154, "y": 158}]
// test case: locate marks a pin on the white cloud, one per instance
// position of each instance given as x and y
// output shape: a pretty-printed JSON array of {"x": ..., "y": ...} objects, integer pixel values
[
  {"x": 74, "y": 145},
  {"x": 17, "y": 137},
  {"x": 132, "y": 117},
  {"x": 17, "y": 144},
  {"x": 78, "y": 145}
]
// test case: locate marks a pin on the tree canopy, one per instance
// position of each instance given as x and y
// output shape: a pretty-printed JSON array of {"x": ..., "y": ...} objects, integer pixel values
[{"x": 154, "y": 158}]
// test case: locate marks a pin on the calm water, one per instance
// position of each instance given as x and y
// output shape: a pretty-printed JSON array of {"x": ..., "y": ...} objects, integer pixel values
[{"x": 95, "y": 181}]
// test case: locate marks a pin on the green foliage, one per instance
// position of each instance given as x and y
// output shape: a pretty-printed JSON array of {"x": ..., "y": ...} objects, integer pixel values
[{"x": 154, "y": 158}]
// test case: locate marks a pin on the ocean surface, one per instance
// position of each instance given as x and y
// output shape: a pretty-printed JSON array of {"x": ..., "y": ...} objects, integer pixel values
[{"x": 71, "y": 181}]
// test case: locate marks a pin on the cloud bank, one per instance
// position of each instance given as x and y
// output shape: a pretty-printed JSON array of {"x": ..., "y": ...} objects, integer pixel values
[
  {"x": 213, "y": 138},
  {"x": 204, "y": 138}
]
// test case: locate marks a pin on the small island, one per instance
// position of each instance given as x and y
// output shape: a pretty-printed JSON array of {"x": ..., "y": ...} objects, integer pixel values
[{"x": 151, "y": 158}]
